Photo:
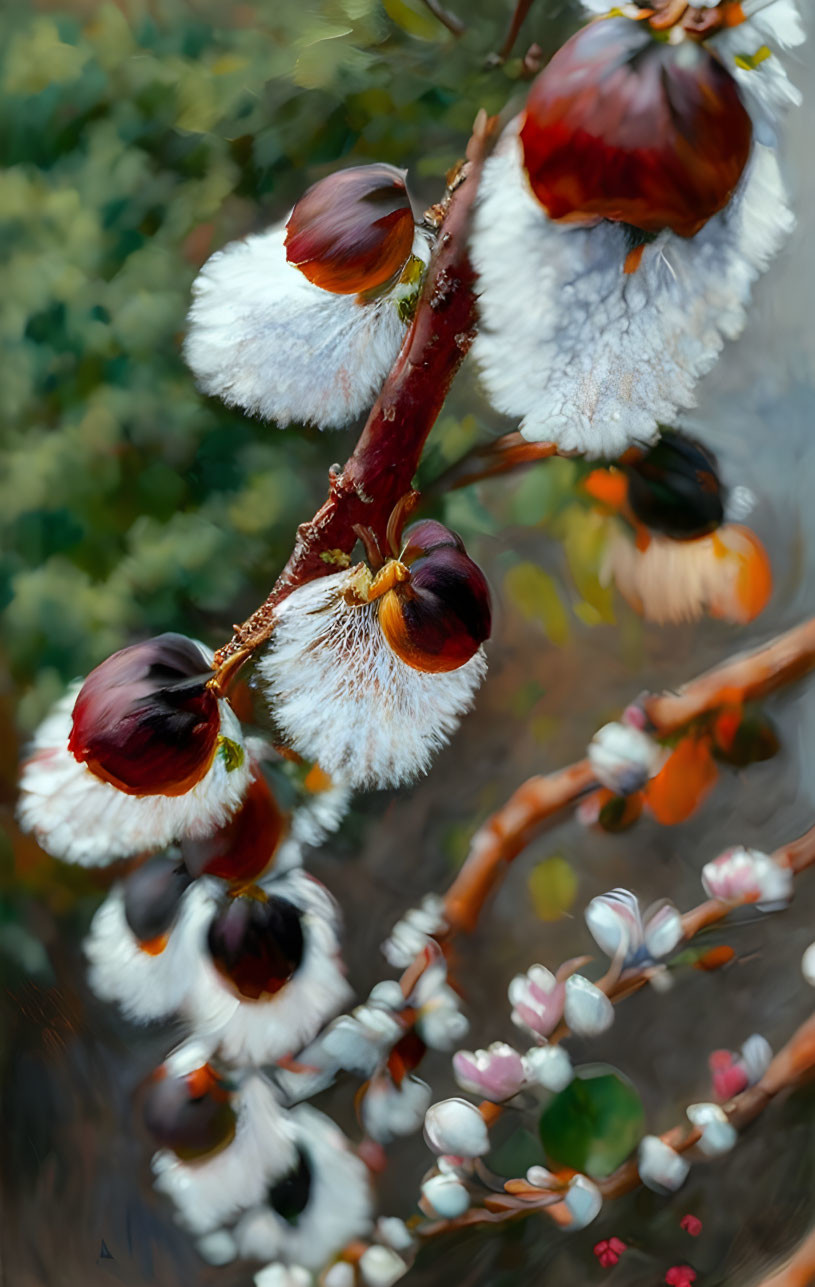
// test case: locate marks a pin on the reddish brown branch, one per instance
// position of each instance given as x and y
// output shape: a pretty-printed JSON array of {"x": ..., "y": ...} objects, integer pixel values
[
  {"x": 510, "y": 829},
  {"x": 447, "y": 19},
  {"x": 799, "y": 1271},
  {"x": 794, "y": 1064},
  {"x": 522, "y": 8},
  {"x": 511, "y": 451},
  {"x": 379, "y": 472}
]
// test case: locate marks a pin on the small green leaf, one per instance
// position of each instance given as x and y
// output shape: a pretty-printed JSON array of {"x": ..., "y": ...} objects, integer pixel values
[
  {"x": 535, "y": 594},
  {"x": 553, "y": 886},
  {"x": 595, "y": 1123},
  {"x": 232, "y": 753}
]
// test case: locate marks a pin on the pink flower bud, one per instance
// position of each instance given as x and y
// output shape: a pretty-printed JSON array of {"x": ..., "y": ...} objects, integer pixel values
[
  {"x": 691, "y": 1224},
  {"x": 496, "y": 1073},
  {"x": 537, "y": 1000},
  {"x": 680, "y": 1276},
  {"x": 622, "y": 126},
  {"x": 748, "y": 876},
  {"x": 352, "y": 231}
]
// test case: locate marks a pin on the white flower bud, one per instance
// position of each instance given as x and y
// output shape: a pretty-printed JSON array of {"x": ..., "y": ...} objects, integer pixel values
[
  {"x": 718, "y": 1136},
  {"x": 756, "y": 1055},
  {"x": 583, "y": 1201},
  {"x": 394, "y": 1233},
  {"x": 446, "y": 1195},
  {"x": 340, "y": 1275},
  {"x": 548, "y": 1066},
  {"x": 623, "y": 758},
  {"x": 456, "y": 1126},
  {"x": 587, "y": 1010},
  {"x": 217, "y": 1248},
  {"x": 661, "y": 1168},
  {"x": 540, "y": 1178},
  {"x": 381, "y": 1267},
  {"x": 808, "y": 965},
  {"x": 283, "y": 1276}
]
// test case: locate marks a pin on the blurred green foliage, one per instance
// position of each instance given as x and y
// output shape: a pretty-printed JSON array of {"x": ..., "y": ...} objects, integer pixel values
[{"x": 137, "y": 139}]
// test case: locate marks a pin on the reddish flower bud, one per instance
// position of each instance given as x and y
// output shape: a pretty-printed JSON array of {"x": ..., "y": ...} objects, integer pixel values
[
  {"x": 192, "y": 1114},
  {"x": 243, "y": 847},
  {"x": 257, "y": 945},
  {"x": 674, "y": 488},
  {"x": 623, "y": 126},
  {"x": 438, "y": 618},
  {"x": 289, "y": 1196},
  {"x": 145, "y": 721},
  {"x": 352, "y": 231},
  {"x": 152, "y": 894},
  {"x": 691, "y": 1225}
]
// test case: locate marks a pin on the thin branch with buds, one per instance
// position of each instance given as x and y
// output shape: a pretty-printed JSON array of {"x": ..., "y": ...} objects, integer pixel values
[
  {"x": 510, "y": 829},
  {"x": 380, "y": 470}
]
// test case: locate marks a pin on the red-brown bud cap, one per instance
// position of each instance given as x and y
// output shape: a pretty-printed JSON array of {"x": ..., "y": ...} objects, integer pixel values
[
  {"x": 192, "y": 1114},
  {"x": 243, "y": 847},
  {"x": 145, "y": 721},
  {"x": 152, "y": 894},
  {"x": 290, "y": 1195},
  {"x": 437, "y": 619},
  {"x": 623, "y": 126},
  {"x": 674, "y": 488},
  {"x": 257, "y": 945},
  {"x": 352, "y": 231}
]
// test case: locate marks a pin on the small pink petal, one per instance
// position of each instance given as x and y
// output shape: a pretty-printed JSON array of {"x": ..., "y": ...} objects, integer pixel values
[{"x": 691, "y": 1224}]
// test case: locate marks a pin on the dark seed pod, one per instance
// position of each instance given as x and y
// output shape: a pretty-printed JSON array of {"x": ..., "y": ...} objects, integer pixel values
[
  {"x": 289, "y": 1196},
  {"x": 242, "y": 848},
  {"x": 437, "y": 619},
  {"x": 674, "y": 488},
  {"x": 152, "y": 894},
  {"x": 622, "y": 126},
  {"x": 257, "y": 945},
  {"x": 145, "y": 721},
  {"x": 352, "y": 231},
  {"x": 191, "y": 1115}
]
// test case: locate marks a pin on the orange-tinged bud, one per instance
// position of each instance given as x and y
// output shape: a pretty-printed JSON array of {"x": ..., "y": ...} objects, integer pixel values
[
  {"x": 683, "y": 782},
  {"x": 623, "y": 126},
  {"x": 243, "y": 847},
  {"x": 352, "y": 231},
  {"x": 145, "y": 721},
  {"x": 437, "y": 619},
  {"x": 191, "y": 1114},
  {"x": 746, "y": 591}
]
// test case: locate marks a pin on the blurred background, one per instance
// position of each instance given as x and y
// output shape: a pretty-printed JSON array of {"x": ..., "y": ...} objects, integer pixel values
[{"x": 137, "y": 138}]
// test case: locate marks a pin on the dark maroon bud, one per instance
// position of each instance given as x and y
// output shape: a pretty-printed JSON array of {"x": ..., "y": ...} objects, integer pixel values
[
  {"x": 352, "y": 231},
  {"x": 289, "y": 1196},
  {"x": 152, "y": 894},
  {"x": 420, "y": 538},
  {"x": 621, "y": 125},
  {"x": 256, "y": 945},
  {"x": 242, "y": 848},
  {"x": 674, "y": 488},
  {"x": 437, "y": 619},
  {"x": 191, "y": 1115},
  {"x": 145, "y": 720}
]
